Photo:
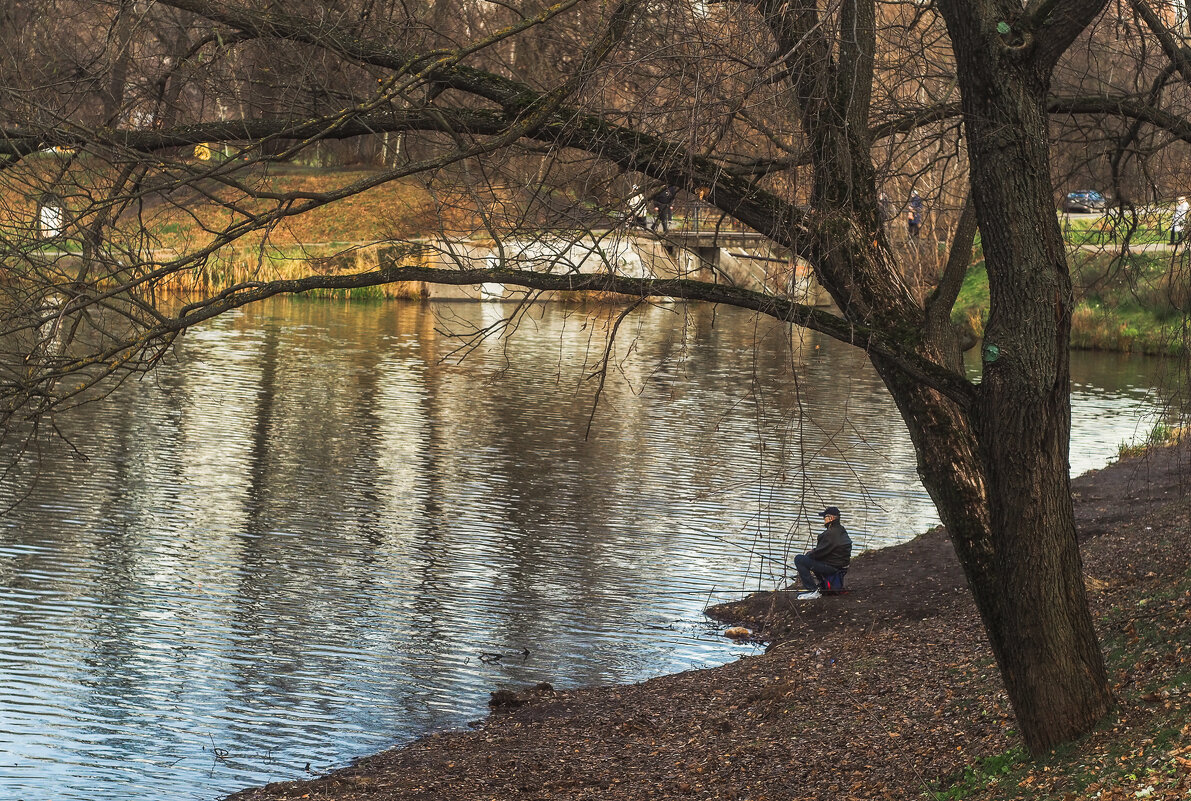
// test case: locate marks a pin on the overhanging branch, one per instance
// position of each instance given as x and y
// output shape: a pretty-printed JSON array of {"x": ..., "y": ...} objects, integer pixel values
[
  {"x": 1127, "y": 107},
  {"x": 939, "y": 378}
]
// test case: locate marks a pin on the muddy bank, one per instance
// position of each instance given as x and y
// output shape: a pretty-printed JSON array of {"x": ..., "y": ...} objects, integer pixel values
[{"x": 871, "y": 695}]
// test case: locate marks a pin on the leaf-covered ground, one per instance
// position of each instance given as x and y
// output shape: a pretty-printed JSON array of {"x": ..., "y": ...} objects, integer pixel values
[{"x": 889, "y": 692}]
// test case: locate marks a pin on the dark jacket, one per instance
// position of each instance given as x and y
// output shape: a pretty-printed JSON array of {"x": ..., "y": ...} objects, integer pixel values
[
  {"x": 835, "y": 546},
  {"x": 917, "y": 206},
  {"x": 665, "y": 196}
]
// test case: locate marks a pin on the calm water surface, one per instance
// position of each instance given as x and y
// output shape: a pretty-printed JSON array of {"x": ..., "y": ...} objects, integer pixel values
[{"x": 319, "y": 533}]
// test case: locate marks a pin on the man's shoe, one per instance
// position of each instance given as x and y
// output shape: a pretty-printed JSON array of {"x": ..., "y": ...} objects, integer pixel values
[{"x": 809, "y": 596}]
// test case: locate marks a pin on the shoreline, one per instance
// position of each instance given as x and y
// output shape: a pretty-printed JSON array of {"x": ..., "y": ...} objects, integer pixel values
[{"x": 882, "y": 693}]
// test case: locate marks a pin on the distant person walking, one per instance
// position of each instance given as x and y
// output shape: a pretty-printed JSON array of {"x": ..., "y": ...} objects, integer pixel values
[
  {"x": 1178, "y": 222},
  {"x": 637, "y": 208},
  {"x": 701, "y": 194},
  {"x": 884, "y": 209},
  {"x": 914, "y": 215},
  {"x": 663, "y": 208}
]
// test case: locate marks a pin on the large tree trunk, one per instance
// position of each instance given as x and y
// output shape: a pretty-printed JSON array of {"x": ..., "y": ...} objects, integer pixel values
[
  {"x": 997, "y": 469},
  {"x": 1007, "y": 508},
  {"x": 1032, "y": 596},
  {"x": 1023, "y": 564}
]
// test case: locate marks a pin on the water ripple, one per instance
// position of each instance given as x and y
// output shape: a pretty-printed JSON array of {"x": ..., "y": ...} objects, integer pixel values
[{"x": 313, "y": 537}]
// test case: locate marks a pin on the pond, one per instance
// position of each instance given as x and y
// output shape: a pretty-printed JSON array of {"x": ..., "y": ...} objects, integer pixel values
[{"x": 331, "y": 527}]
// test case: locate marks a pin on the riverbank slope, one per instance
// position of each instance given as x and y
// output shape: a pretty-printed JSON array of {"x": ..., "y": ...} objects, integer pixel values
[
  {"x": 1127, "y": 303},
  {"x": 889, "y": 692}
]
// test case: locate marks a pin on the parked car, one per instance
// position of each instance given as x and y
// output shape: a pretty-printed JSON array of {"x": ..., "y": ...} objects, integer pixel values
[{"x": 1084, "y": 200}]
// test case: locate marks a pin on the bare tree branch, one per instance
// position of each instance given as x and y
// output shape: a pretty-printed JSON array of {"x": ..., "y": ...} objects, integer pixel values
[
  {"x": 949, "y": 383},
  {"x": 1178, "y": 53},
  {"x": 940, "y": 303}
]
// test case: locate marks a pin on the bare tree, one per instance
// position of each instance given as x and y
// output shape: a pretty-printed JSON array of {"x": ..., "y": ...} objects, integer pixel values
[{"x": 792, "y": 116}]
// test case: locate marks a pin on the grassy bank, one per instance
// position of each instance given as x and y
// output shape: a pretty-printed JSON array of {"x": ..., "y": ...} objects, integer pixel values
[
  {"x": 335, "y": 237},
  {"x": 1130, "y": 304},
  {"x": 1145, "y": 226}
]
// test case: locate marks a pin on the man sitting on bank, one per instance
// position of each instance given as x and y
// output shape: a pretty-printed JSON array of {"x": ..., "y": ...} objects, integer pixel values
[{"x": 832, "y": 554}]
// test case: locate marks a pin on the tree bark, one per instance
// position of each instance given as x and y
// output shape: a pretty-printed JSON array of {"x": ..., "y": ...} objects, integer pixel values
[
  {"x": 1024, "y": 569},
  {"x": 1007, "y": 507},
  {"x": 998, "y": 469}
]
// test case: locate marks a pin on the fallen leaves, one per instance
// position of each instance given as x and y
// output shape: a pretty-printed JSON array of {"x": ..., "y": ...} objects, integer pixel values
[{"x": 876, "y": 697}]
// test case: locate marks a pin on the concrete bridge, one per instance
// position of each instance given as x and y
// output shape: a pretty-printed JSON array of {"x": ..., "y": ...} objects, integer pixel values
[{"x": 738, "y": 258}]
